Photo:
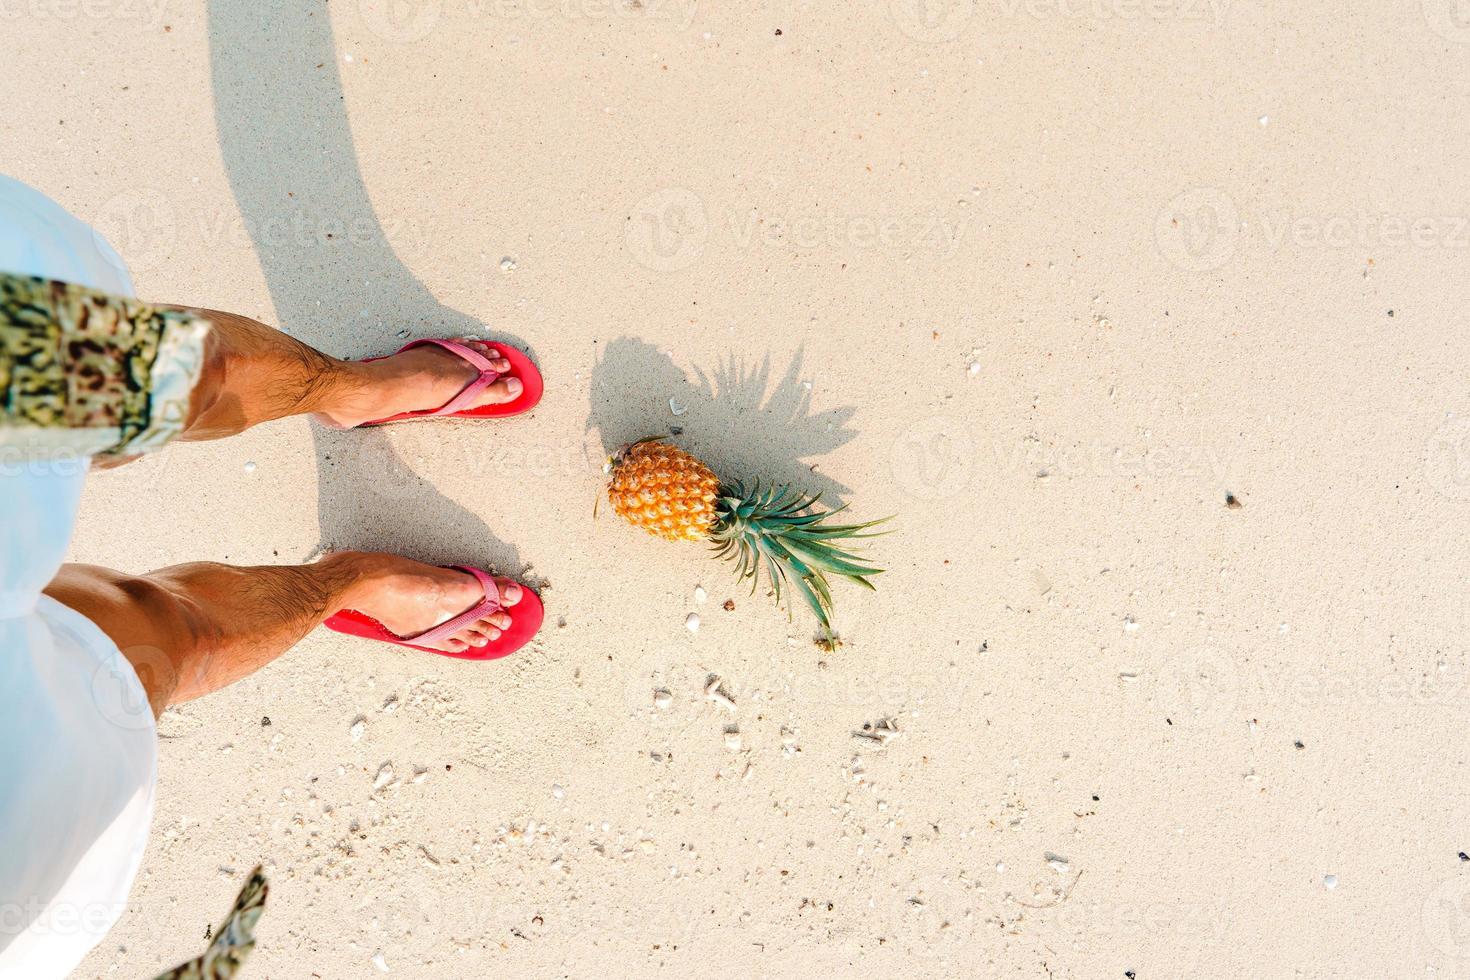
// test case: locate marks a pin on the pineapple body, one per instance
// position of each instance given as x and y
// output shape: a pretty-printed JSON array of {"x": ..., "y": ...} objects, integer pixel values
[{"x": 665, "y": 491}]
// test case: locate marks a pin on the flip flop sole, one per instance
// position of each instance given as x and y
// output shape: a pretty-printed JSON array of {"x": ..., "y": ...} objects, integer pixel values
[{"x": 526, "y": 617}]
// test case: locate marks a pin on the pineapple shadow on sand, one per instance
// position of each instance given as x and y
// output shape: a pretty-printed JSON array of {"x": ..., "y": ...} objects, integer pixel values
[
  {"x": 737, "y": 420},
  {"x": 335, "y": 278}
]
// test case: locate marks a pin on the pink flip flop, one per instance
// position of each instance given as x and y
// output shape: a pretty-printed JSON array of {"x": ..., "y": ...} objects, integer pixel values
[
  {"x": 521, "y": 368},
  {"x": 525, "y": 620}
]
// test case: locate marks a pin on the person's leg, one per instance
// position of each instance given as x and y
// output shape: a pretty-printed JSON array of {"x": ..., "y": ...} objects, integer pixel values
[
  {"x": 254, "y": 374},
  {"x": 192, "y": 629}
]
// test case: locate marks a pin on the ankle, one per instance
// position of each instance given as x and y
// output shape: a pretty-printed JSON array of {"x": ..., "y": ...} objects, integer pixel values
[{"x": 348, "y": 575}]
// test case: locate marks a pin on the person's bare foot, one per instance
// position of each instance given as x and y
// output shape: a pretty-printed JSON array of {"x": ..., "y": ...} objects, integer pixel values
[
  {"x": 416, "y": 380},
  {"x": 409, "y": 597}
]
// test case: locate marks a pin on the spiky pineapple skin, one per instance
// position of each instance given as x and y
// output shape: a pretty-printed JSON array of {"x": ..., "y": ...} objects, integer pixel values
[{"x": 665, "y": 491}]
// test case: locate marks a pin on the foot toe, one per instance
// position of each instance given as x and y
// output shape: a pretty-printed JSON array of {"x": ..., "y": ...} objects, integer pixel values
[
  {"x": 504, "y": 390},
  {"x": 510, "y": 591},
  {"x": 498, "y": 620},
  {"x": 488, "y": 351}
]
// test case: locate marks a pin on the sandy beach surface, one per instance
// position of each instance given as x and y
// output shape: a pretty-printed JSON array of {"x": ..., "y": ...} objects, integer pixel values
[{"x": 1051, "y": 281}]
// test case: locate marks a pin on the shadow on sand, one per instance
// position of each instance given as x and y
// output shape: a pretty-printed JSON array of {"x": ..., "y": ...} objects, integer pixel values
[
  {"x": 736, "y": 420},
  {"x": 330, "y": 266}
]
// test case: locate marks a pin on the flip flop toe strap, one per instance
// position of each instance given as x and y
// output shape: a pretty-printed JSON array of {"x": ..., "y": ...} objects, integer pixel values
[
  {"x": 471, "y": 391},
  {"x": 490, "y": 604}
]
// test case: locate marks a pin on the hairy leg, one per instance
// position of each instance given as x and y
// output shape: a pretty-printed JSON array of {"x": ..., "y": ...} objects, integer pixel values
[
  {"x": 192, "y": 629},
  {"x": 255, "y": 374}
]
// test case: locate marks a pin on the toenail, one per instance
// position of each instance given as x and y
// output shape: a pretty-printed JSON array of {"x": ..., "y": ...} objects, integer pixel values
[{"x": 514, "y": 386}]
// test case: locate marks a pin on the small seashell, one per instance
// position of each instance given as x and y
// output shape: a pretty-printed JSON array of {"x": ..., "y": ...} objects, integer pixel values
[
  {"x": 700, "y": 595},
  {"x": 662, "y": 700},
  {"x": 507, "y": 264},
  {"x": 692, "y": 622},
  {"x": 676, "y": 408}
]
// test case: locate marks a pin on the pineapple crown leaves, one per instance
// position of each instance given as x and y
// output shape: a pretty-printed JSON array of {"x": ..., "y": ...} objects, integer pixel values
[{"x": 781, "y": 530}]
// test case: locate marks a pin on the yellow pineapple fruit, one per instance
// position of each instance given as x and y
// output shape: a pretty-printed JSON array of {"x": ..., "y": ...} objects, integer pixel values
[{"x": 671, "y": 494}]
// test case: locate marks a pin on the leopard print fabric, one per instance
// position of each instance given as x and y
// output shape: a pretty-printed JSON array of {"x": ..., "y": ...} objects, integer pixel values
[
  {"x": 233, "y": 940},
  {"x": 91, "y": 372}
]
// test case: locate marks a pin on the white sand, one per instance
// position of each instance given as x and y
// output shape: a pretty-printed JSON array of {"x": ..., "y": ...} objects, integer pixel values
[{"x": 1098, "y": 671}]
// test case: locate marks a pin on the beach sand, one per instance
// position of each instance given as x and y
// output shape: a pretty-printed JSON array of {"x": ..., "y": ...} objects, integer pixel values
[{"x": 1051, "y": 282}]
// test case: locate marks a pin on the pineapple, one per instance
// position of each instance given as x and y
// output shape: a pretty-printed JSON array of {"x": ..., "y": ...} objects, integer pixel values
[{"x": 671, "y": 494}]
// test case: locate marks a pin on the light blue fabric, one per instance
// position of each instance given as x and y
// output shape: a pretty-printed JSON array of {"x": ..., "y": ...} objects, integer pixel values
[
  {"x": 38, "y": 237},
  {"x": 78, "y": 750}
]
